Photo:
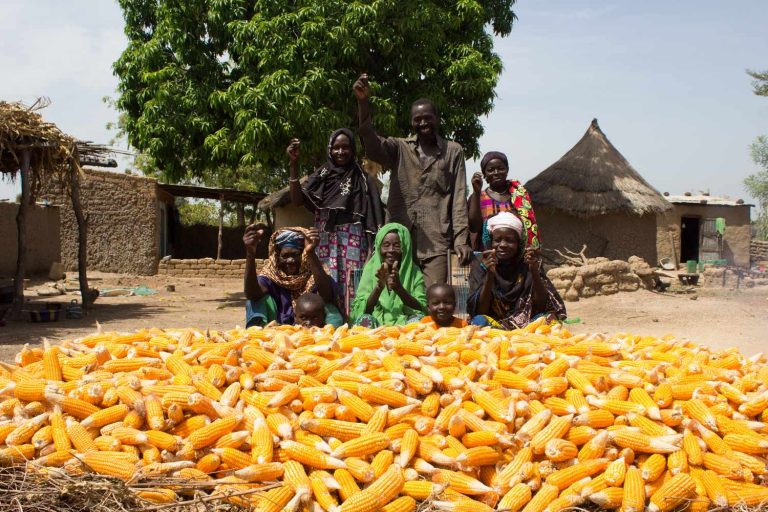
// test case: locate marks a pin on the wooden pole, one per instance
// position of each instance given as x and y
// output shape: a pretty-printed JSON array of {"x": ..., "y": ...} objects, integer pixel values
[
  {"x": 21, "y": 233},
  {"x": 82, "y": 240},
  {"x": 221, "y": 228}
]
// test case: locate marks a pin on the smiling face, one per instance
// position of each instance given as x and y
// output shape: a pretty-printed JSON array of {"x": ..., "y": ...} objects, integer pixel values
[
  {"x": 495, "y": 174},
  {"x": 441, "y": 303},
  {"x": 289, "y": 260},
  {"x": 310, "y": 313},
  {"x": 424, "y": 120},
  {"x": 506, "y": 243},
  {"x": 391, "y": 251},
  {"x": 341, "y": 150}
]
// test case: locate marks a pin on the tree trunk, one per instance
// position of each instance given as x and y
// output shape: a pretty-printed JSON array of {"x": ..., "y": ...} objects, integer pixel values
[
  {"x": 82, "y": 241},
  {"x": 240, "y": 208},
  {"x": 21, "y": 234},
  {"x": 221, "y": 229}
]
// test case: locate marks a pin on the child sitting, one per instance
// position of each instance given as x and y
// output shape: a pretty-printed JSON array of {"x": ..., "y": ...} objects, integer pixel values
[
  {"x": 310, "y": 310},
  {"x": 441, "y": 303}
]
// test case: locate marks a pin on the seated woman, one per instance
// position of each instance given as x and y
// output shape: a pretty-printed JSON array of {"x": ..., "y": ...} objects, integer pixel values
[
  {"x": 502, "y": 195},
  {"x": 507, "y": 287},
  {"x": 291, "y": 270},
  {"x": 391, "y": 289}
]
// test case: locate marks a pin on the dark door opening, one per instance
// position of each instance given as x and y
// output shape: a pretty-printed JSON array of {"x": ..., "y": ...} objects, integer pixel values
[{"x": 689, "y": 238}]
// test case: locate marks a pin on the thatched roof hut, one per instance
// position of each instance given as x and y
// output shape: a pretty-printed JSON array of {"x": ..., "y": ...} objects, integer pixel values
[
  {"x": 39, "y": 152},
  {"x": 594, "y": 178},
  {"x": 592, "y": 196}
]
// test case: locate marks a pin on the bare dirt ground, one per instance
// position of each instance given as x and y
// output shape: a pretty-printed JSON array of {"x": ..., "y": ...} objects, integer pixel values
[{"x": 717, "y": 318}]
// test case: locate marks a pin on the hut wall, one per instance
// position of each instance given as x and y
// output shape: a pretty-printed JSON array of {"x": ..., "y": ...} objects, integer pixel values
[
  {"x": 43, "y": 244},
  {"x": 123, "y": 223},
  {"x": 737, "y": 230},
  {"x": 289, "y": 215},
  {"x": 615, "y": 236}
]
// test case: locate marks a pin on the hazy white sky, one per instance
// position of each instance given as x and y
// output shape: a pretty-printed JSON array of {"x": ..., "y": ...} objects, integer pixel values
[{"x": 665, "y": 79}]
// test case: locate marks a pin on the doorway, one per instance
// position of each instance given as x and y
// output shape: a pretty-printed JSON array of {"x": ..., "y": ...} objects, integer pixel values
[{"x": 689, "y": 238}]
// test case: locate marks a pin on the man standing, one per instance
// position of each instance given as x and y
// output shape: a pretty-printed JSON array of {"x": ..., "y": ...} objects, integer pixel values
[{"x": 427, "y": 191}]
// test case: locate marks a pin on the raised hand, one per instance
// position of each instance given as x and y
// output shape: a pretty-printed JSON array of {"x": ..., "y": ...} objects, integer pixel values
[
  {"x": 294, "y": 150},
  {"x": 532, "y": 257},
  {"x": 382, "y": 276},
  {"x": 312, "y": 239},
  {"x": 253, "y": 235},
  {"x": 490, "y": 260},
  {"x": 361, "y": 89},
  {"x": 393, "y": 278},
  {"x": 477, "y": 182}
]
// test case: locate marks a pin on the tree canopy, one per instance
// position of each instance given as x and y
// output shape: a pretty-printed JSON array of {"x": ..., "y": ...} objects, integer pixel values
[
  {"x": 213, "y": 84},
  {"x": 757, "y": 184}
]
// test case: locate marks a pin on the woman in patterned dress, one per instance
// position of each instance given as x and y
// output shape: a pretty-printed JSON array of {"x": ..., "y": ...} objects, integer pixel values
[
  {"x": 346, "y": 205},
  {"x": 502, "y": 195}
]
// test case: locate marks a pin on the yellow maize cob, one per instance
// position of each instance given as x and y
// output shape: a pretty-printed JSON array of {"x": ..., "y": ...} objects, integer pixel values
[
  {"x": 310, "y": 456},
  {"x": 381, "y": 461},
  {"x": 209, "y": 434},
  {"x": 565, "y": 477},
  {"x": 672, "y": 493},
  {"x": 401, "y": 504},
  {"x": 109, "y": 464}
]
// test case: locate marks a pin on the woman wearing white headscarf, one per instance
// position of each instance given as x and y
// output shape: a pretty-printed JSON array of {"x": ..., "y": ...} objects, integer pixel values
[{"x": 507, "y": 287}]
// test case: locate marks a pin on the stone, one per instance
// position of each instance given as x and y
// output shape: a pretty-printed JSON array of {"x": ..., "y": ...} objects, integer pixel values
[
  {"x": 609, "y": 289},
  {"x": 628, "y": 286},
  {"x": 588, "y": 291},
  {"x": 571, "y": 295}
]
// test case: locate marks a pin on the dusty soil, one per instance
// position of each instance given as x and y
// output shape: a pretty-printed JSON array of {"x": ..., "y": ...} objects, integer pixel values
[{"x": 717, "y": 318}]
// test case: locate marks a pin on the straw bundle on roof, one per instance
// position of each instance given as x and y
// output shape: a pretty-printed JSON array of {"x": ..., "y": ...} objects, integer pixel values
[
  {"x": 593, "y": 178},
  {"x": 53, "y": 154}
]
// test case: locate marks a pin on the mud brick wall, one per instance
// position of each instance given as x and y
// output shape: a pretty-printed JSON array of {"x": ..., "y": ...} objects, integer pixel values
[
  {"x": 758, "y": 251},
  {"x": 123, "y": 223},
  {"x": 205, "y": 267},
  {"x": 43, "y": 247}
]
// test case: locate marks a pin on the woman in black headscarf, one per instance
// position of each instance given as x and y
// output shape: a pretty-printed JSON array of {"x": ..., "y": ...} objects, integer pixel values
[{"x": 346, "y": 205}]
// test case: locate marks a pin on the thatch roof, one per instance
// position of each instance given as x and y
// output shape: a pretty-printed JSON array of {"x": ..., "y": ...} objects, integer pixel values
[
  {"x": 593, "y": 178},
  {"x": 53, "y": 154},
  {"x": 278, "y": 199}
]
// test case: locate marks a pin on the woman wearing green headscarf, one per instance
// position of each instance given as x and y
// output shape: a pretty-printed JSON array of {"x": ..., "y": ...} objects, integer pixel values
[{"x": 391, "y": 290}]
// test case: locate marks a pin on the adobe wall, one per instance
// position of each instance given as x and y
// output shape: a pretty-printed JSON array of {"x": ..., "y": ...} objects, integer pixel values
[
  {"x": 758, "y": 251},
  {"x": 205, "y": 267},
  {"x": 736, "y": 240},
  {"x": 615, "y": 236},
  {"x": 43, "y": 242},
  {"x": 123, "y": 223}
]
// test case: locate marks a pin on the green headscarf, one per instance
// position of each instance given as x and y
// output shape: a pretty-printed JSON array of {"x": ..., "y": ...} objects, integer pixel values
[{"x": 390, "y": 309}]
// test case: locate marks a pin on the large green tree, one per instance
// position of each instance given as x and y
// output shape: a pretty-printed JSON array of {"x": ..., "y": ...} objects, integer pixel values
[
  {"x": 213, "y": 84},
  {"x": 757, "y": 184}
]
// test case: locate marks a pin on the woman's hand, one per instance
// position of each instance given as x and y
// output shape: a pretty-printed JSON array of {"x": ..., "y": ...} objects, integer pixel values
[
  {"x": 393, "y": 278},
  {"x": 253, "y": 235},
  {"x": 361, "y": 89},
  {"x": 477, "y": 182},
  {"x": 311, "y": 241},
  {"x": 532, "y": 258},
  {"x": 294, "y": 150},
  {"x": 382, "y": 276},
  {"x": 490, "y": 260}
]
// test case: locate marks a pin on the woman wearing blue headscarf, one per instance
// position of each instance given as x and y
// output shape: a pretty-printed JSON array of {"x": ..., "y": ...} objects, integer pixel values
[{"x": 291, "y": 270}]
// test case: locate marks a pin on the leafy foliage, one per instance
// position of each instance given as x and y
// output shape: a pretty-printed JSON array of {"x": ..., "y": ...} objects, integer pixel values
[
  {"x": 208, "y": 85},
  {"x": 757, "y": 184},
  {"x": 760, "y": 82}
]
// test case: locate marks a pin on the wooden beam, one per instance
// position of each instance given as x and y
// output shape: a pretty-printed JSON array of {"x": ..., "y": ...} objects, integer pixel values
[
  {"x": 221, "y": 228},
  {"x": 82, "y": 240},
  {"x": 21, "y": 234}
]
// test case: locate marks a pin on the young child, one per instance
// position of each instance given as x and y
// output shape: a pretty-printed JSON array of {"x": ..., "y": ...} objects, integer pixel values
[
  {"x": 441, "y": 303},
  {"x": 310, "y": 310}
]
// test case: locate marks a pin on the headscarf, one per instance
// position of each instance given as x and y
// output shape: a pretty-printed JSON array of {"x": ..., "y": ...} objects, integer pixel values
[
  {"x": 290, "y": 239},
  {"x": 390, "y": 309},
  {"x": 303, "y": 281},
  {"x": 493, "y": 155},
  {"x": 506, "y": 220},
  {"x": 346, "y": 192}
]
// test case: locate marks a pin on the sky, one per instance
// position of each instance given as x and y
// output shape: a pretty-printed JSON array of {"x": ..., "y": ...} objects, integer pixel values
[{"x": 666, "y": 81}]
